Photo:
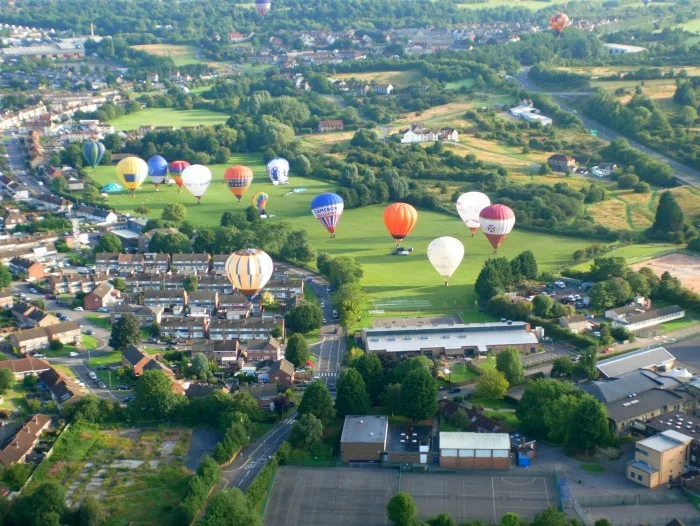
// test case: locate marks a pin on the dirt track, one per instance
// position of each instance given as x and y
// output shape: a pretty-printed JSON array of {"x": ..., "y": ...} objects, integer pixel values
[{"x": 685, "y": 268}]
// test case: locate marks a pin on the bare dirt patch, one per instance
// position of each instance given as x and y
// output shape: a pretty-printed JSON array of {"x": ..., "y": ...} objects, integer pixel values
[{"x": 684, "y": 267}]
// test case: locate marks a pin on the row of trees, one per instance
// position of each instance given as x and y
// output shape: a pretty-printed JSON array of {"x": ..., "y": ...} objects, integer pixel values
[{"x": 498, "y": 275}]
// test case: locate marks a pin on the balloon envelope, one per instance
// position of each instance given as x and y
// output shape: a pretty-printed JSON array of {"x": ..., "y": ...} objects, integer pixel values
[
  {"x": 133, "y": 171},
  {"x": 249, "y": 270},
  {"x": 157, "y": 169},
  {"x": 278, "y": 170},
  {"x": 496, "y": 222},
  {"x": 93, "y": 151},
  {"x": 469, "y": 206},
  {"x": 445, "y": 254},
  {"x": 263, "y": 6},
  {"x": 328, "y": 208},
  {"x": 176, "y": 168},
  {"x": 196, "y": 179},
  {"x": 259, "y": 201},
  {"x": 559, "y": 21},
  {"x": 400, "y": 218},
  {"x": 238, "y": 179}
]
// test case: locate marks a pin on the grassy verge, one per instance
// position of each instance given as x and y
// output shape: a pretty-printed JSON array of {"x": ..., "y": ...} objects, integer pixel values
[
  {"x": 593, "y": 468},
  {"x": 508, "y": 418},
  {"x": 89, "y": 342},
  {"x": 492, "y": 403},
  {"x": 99, "y": 321},
  {"x": 111, "y": 358}
]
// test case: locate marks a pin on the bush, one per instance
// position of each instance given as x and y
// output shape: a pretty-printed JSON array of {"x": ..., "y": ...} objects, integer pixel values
[
  {"x": 694, "y": 244},
  {"x": 642, "y": 188},
  {"x": 627, "y": 181},
  {"x": 56, "y": 345}
]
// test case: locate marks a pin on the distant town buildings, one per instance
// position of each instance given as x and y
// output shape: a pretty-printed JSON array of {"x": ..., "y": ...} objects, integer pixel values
[{"x": 419, "y": 133}]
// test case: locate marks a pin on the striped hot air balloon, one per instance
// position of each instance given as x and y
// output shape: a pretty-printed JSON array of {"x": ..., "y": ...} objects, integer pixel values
[
  {"x": 249, "y": 270},
  {"x": 93, "y": 151},
  {"x": 259, "y": 201},
  {"x": 400, "y": 218},
  {"x": 262, "y": 6},
  {"x": 496, "y": 222},
  {"x": 238, "y": 179},
  {"x": 133, "y": 172},
  {"x": 175, "y": 169},
  {"x": 328, "y": 208}
]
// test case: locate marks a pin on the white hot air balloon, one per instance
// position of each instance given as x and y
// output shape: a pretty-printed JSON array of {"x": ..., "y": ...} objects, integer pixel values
[
  {"x": 469, "y": 206},
  {"x": 445, "y": 254},
  {"x": 196, "y": 179},
  {"x": 278, "y": 170}
]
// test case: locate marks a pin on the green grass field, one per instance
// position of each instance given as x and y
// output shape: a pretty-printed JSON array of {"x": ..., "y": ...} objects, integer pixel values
[
  {"x": 692, "y": 27},
  {"x": 168, "y": 117},
  {"x": 457, "y": 84},
  {"x": 181, "y": 55}
]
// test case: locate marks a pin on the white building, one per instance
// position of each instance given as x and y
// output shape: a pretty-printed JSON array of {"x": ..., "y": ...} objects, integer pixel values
[
  {"x": 623, "y": 49},
  {"x": 527, "y": 112},
  {"x": 419, "y": 133}
]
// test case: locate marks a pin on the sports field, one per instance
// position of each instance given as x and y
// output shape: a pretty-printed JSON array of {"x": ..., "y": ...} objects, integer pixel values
[
  {"x": 168, "y": 117},
  {"x": 181, "y": 55},
  {"x": 350, "y": 496}
]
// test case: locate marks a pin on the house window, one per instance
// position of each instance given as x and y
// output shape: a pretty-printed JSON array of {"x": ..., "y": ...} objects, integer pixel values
[{"x": 639, "y": 477}]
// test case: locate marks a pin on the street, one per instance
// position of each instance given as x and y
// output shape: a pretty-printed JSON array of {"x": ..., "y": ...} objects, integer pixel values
[{"x": 16, "y": 156}]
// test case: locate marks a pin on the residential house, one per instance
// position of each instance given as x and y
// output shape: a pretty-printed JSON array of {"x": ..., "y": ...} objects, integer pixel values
[
  {"x": 282, "y": 372},
  {"x": 603, "y": 170},
  {"x": 330, "y": 126},
  {"x": 244, "y": 329},
  {"x": 107, "y": 262},
  {"x": 234, "y": 306},
  {"x": 259, "y": 350},
  {"x": 203, "y": 298},
  {"x": 33, "y": 269},
  {"x": 223, "y": 352},
  {"x": 383, "y": 89},
  {"x": 29, "y": 340},
  {"x": 214, "y": 283},
  {"x": 104, "y": 295},
  {"x": 27, "y": 366},
  {"x": 623, "y": 49},
  {"x": 165, "y": 298},
  {"x": 31, "y": 316},
  {"x": 24, "y": 441},
  {"x": 417, "y": 132},
  {"x": 145, "y": 281},
  {"x": 7, "y": 300},
  {"x": 135, "y": 359},
  {"x": 561, "y": 163},
  {"x": 147, "y": 316},
  {"x": 12, "y": 219},
  {"x": 190, "y": 263},
  {"x": 285, "y": 288},
  {"x": 577, "y": 324},
  {"x": 264, "y": 394},
  {"x": 74, "y": 283},
  {"x": 52, "y": 203},
  {"x": 235, "y": 37},
  {"x": 62, "y": 387},
  {"x": 660, "y": 459},
  {"x": 219, "y": 264},
  {"x": 184, "y": 328},
  {"x": 67, "y": 332},
  {"x": 96, "y": 215}
]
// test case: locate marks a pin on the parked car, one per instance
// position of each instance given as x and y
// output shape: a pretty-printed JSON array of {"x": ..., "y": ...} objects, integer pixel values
[
  {"x": 72, "y": 354},
  {"x": 103, "y": 309},
  {"x": 123, "y": 387},
  {"x": 128, "y": 398},
  {"x": 92, "y": 375},
  {"x": 455, "y": 390},
  {"x": 79, "y": 309},
  {"x": 39, "y": 355},
  {"x": 90, "y": 332},
  {"x": 596, "y": 334},
  {"x": 102, "y": 385}
]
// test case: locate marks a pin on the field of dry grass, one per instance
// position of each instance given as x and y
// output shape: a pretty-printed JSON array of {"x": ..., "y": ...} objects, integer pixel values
[
  {"x": 611, "y": 213},
  {"x": 605, "y": 71},
  {"x": 398, "y": 79},
  {"x": 181, "y": 55}
]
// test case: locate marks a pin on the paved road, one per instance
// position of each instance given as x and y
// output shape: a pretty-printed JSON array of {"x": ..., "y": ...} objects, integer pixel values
[
  {"x": 17, "y": 156},
  {"x": 684, "y": 173}
]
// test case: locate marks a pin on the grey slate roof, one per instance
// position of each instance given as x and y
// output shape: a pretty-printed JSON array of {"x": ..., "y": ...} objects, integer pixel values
[{"x": 636, "y": 382}]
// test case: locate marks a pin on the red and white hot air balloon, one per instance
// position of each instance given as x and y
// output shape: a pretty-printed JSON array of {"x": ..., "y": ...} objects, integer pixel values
[{"x": 496, "y": 222}]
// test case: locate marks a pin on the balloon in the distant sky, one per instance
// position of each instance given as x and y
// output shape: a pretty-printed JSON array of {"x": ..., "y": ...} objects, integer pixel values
[
  {"x": 263, "y": 6},
  {"x": 445, "y": 254},
  {"x": 278, "y": 170},
  {"x": 559, "y": 22},
  {"x": 176, "y": 168},
  {"x": 133, "y": 172},
  {"x": 259, "y": 201},
  {"x": 328, "y": 208},
  {"x": 238, "y": 179},
  {"x": 249, "y": 270},
  {"x": 93, "y": 151},
  {"x": 157, "y": 169},
  {"x": 196, "y": 179},
  {"x": 400, "y": 218},
  {"x": 469, "y": 206},
  {"x": 646, "y": 2},
  {"x": 496, "y": 222}
]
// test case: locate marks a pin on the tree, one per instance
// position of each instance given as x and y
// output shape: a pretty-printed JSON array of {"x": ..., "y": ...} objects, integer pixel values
[
  {"x": 488, "y": 284},
  {"x": 90, "y": 512},
  {"x": 352, "y": 397},
  {"x": 562, "y": 367},
  {"x": 602, "y": 522},
  {"x": 109, "y": 243},
  {"x": 443, "y": 519},
  {"x": 558, "y": 415},
  {"x": 550, "y": 517},
  {"x": 669, "y": 216},
  {"x": 267, "y": 299},
  {"x": 524, "y": 266},
  {"x": 45, "y": 505},
  {"x": 317, "y": 401},
  {"x": 586, "y": 365},
  {"x": 200, "y": 365},
  {"x": 510, "y": 363},
  {"x": 541, "y": 305},
  {"x": 642, "y": 188},
  {"x": 491, "y": 384},
  {"x": 419, "y": 395},
  {"x": 626, "y": 181},
  {"x": 191, "y": 283},
  {"x": 7, "y": 379},
  {"x": 605, "y": 335},
  {"x": 402, "y": 510},
  {"x": 154, "y": 396},
  {"x": 119, "y": 284},
  {"x": 126, "y": 331},
  {"x": 297, "y": 350},
  {"x": 170, "y": 243},
  {"x": 229, "y": 508},
  {"x": 304, "y": 318},
  {"x": 175, "y": 212},
  {"x": 510, "y": 519},
  {"x": 538, "y": 394},
  {"x": 5, "y": 277},
  {"x": 297, "y": 247},
  {"x": 307, "y": 431},
  {"x": 372, "y": 372},
  {"x": 589, "y": 425},
  {"x": 276, "y": 332}
]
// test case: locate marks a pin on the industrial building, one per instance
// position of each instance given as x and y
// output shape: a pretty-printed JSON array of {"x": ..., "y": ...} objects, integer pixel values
[{"x": 474, "y": 450}]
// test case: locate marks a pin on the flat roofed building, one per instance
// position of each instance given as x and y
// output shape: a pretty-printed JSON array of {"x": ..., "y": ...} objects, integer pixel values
[
  {"x": 460, "y": 450},
  {"x": 639, "y": 407},
  {"x": 651, "y": 359},
  {"x": 364, "y": 438},
  {"x": 659, "y": 459},
  {"x": 641, "y": 320},
  {"x": 453, "y": 339}
]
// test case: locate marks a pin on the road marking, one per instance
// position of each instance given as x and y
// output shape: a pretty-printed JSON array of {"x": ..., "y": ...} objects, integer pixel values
[{"x": 493, "y": 499}]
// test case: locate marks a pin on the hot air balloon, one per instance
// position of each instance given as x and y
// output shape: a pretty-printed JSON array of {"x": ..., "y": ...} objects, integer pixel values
[
  {"x": 157, "y": 170},
  {"x": 445, "y": 254},
  {"x": 238, "y": 179},
  {"x": 93, "y": 151},
  {"x": 400, "y": 218},
  {"x": 259, "y": 202},
  {"x": 278, "y": 170},
  {"x": 263, "y": 6},
  {"x": 328, "y": 208},
  {"x": 249, "y": 270},
  {"x": 497, "y": 221},
  {"x": 558, "y": 22},
  {"x": 469, "y": 206},
  {"x": 133, "y": 172},
  {"x": 196, "y": 179},
  {"x": 176, "y": 168}
]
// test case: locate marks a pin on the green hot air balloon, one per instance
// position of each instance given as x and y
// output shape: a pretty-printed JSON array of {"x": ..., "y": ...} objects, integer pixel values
[{"x": 93, "y": 151}]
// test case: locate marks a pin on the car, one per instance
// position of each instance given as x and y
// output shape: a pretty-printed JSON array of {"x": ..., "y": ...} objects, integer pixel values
[
  {"x": 39, "y": 355},
  {"x": 325, "y": 320},
  {"x": 90, "y": 332},
  {"x": 123, "y": 387},
  {"x": 323, "y": 304},
  {"x": 102, "y": 385},
  {"x": 576, "y": 358},
  {"x": 316, "y": 378},
  {"x": 79, "y": 309},
  {"x": 455, "y": 390},
  {"x": 589, "y": 316},
  {"x": 328, "y": 288},
  {"x": 81, "y": 383},
  {"x": 34, "y": 291},
  {"x": 309, "y": 280},
  {"x": 92, "y": 375},
  {"x": 72, "y": 354},
  {"x": 128, "y": 398},
  {"x": 596, "y": 334},
  {"x": 103, "y": 309},
  {"x": 577, "y": 297}
]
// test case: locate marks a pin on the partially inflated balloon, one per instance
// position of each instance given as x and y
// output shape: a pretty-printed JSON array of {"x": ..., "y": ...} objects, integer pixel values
[
  {"x": 249, "y": 270},
  {"x": 196, "y": 179},
  {"x": 259, "y": 201},
  {"x": 496, "y": 222},
  {"x": 133, "y": 172},
  {"x": 176, "y": 168},
  {"x": 469, "y": 206},
  {"x": 93, "y": 151},
  {"x": 238, "y": 179},
  {"x": 278, "y": 170},
  {"x": 445, "y": 254},
  {"x": 399, "y": 219},
  {"x": 559, "y": 22},
  {"x": 262, "y": 6},
  {"x": 328, "y": 208},
  {"x": 157, "y": 170}
]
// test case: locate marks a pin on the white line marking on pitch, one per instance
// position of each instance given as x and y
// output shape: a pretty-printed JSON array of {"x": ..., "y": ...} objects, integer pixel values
[{"x": 513, "y": 484}]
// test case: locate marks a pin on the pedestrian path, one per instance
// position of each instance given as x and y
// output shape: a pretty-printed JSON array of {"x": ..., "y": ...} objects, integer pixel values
[{"x": 327, "y": 374}]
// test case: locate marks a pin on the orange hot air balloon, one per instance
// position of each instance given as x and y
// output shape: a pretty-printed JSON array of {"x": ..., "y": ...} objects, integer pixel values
[
  {"x": 400, "y": 218},
  {"x": 238, "y": 179},
  {"x": 559, "y": 21}
]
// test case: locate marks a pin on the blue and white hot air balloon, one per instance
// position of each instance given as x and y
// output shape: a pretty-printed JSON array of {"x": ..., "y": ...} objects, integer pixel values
[
  {"x": 278, "y": 170},
  {"x": 157, "y": 170},
  {"x": 328, "y": 208}
]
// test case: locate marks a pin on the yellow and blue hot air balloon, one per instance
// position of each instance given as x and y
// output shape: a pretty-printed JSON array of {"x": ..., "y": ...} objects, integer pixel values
[
  {"x": 259, "y": 202},
  {"x": 133, "y": 172},
  {"x": 93, "y": 151}
]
